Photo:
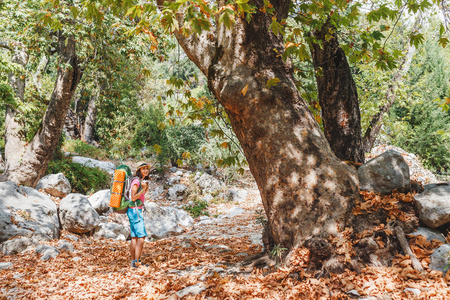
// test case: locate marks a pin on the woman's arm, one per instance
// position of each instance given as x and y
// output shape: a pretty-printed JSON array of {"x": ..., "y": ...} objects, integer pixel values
[{"x": 134, "y": 194}]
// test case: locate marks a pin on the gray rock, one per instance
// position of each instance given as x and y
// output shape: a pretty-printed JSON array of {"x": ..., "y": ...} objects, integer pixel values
[
  {"x": 65, "y": 245},
  {"x": 208, "y": 183},
  {"x": 434, "y": 205},
  {"x": 42, "y": 248},
  {"x": 121, "y": 238},
  {"x": 440, "y": 258},
  {"x": 16, "y": 245},
  {"x": 385, "y": 173},
  {"x": 173, "y": 169},
  {"x": 234, "y": 212},
  {"x": 165, "y": 221},
  {"x": 26, "y": 212},
  {"x": 56, "y": 185},
  {"x": 177, "y": 192},
  {"x": 77, "y": 214},
  {"x": 100, "y": 201},
  {"x": 256, "y": 239},
  {"x": 192, "y": 289},
  {"x": 50, "y": 253},
  {"x": 5, "y": 265},
  {"x": 207, "y": 197},
  {"x": 76, "y": 259},
  {"x": 103, "y": 219},
  {"x": 430, "y": 234},
  {"x": 157, "y": 191},
  {"x": 111, "y": 231},
  {"x": 238, "y": 195},
  {"x": 93, "y": 163},
  {"x": 173, "y": 180},
  {"x": 72, "y": 237}
]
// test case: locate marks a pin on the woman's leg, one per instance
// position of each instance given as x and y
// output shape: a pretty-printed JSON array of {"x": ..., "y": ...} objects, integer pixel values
[
  {"x": 134, "y": 242},
  {"x": 139, "y": 247}
]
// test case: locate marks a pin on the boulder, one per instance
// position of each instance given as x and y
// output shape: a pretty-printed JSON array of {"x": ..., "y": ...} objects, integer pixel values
[
  {"x": 238, "y": 195},
  {"x": 47, "y": 251},
  {"x": 56, "y": 185},
  {"x": 26, "y": 212},
  {"x": 440, "y": 258},
  {"x": 173, "y": 180},
  {"x": 434, "y": 205},
  {"x": 161, "y": 222},
  {"x": 93, "y": 163},
  {"x": 208, "y": 183},
  {"x": 15, "y": 246},
  {"x": 429, "y": 234},
  {"x": 100, "y": 201},
  {"x": 177, "y": 192},
  {"x": 111, "y": 231},
  {"x": 65, "y": 245},
  {"x": 384, "y": 173},
  {"x": 77, "y": 214}
]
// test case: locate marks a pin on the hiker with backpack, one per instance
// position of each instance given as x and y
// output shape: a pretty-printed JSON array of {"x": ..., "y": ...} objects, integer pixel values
[{"x": 139, "y": 187}]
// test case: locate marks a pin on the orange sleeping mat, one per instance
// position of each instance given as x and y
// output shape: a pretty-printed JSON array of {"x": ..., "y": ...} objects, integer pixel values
[{"x": 117, "y": 188}]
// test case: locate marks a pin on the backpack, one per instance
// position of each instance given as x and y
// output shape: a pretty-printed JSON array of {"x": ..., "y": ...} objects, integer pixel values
[{"x": 121, "y": 190}]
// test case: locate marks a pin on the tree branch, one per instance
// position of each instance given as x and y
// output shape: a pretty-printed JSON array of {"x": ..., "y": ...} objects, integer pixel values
[
  {"x": 6, "y": 46},
  {"x": 200, "y": 48}
]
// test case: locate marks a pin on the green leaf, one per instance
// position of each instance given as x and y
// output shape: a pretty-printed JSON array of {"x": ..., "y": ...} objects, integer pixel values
[{"x": 272, "y": 82}]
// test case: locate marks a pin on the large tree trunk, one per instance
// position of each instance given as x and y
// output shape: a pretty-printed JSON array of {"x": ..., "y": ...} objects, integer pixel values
[
  {"x": 26, "y": 163},
  {"x": 306, "y": 191},
  {"x": 338, "y": 96}
]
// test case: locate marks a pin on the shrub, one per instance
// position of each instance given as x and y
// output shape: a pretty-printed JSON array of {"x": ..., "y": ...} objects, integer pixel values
[
  {"x": 198, "y": 209},
  {"x": 84, "y": 180},
  {"x": 84, "y": 149}
]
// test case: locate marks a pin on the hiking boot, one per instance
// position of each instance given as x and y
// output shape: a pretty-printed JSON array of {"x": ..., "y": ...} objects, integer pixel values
[{"x": 134, "y": 264}]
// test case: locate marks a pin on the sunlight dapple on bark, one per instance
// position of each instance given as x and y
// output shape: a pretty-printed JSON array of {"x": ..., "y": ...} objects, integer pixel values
[{"x": 306, "y": 191}]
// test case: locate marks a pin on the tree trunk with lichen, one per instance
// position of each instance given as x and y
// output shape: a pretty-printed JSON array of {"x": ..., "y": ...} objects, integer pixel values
[
  {"x": 26, "y": 162},
  {"x": 306, "y": 191}
]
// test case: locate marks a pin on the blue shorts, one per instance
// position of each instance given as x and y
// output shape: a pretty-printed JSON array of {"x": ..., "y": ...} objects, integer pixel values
[{"x": 137, "y": 224}]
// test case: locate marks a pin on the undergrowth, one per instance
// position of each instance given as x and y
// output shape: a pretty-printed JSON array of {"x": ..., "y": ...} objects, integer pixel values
[{"x": 84, "y": 180}]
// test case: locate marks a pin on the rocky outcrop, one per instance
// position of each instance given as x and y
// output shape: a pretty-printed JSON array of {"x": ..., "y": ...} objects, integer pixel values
[
  {"x": 164, "y": 221},
  {"x": 93, "y": 163},
  {"x": 56, "y": 185},
  {"x": 77, "y": 214},
  {"x": 100, "y": 201},
  {"x": 385, "y": 173},
  {"x": 26, "y": 212}
]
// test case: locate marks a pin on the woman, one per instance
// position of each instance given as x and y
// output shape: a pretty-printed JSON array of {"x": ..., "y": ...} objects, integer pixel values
[{"x": 134, "y": 213}]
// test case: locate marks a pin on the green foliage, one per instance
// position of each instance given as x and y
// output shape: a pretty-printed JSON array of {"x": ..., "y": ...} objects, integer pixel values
[
  {"x": 199, "y": 208},
  {"x": 277, "y": 251},
  {"x": 84, "y": 180},
  {"x": 260, "y": 217},
  {"x": 425, "y": 132},
  {"x": 84, "y": 149}
]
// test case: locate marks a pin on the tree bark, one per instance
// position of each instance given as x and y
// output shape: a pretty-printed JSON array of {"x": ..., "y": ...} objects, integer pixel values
[
  {"x": 338, "y": 97},
  {"x": 28, "y": 164},
  {"x": 89, "y": 121},
  {"x": 306, "y": 191}
]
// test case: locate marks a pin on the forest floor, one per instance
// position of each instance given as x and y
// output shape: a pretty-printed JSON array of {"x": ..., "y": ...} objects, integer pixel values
[{"x": 204, "y": 263}]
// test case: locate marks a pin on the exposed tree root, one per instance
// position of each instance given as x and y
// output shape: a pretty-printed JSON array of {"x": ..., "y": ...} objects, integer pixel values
[{"x": 406, "y": 249}]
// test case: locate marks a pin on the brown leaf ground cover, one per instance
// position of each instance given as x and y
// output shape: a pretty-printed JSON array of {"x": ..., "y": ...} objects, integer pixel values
[{"x": 99, "y": 269}]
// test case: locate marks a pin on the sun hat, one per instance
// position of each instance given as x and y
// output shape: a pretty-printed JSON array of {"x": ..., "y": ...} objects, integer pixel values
[{"x": 141, "y": 165}]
